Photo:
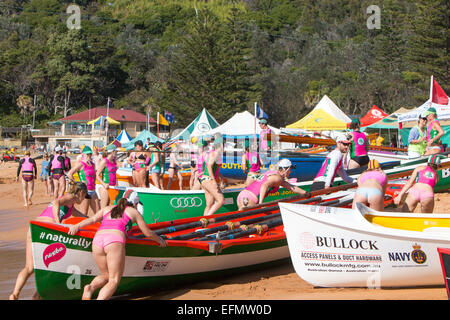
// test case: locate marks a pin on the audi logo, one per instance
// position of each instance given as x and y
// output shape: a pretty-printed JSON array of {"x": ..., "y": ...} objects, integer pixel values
[{"x": 187, "y": 202}]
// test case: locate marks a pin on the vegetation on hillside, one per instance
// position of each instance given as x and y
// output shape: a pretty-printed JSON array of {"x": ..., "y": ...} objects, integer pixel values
[{"x": 183, "y": 55}]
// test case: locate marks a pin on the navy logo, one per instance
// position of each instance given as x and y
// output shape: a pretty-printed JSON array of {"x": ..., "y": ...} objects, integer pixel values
[{"x": 417, "y": 255}]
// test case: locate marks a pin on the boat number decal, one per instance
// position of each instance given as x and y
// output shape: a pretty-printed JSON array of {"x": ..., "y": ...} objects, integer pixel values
[
  {"x": 184, "y": 202},
  {"x": 53, "y": 252},
  {"x": 156, "y": 266}
]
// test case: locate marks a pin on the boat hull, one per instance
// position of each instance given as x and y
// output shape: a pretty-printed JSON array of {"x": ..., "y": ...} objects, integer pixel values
[
  {"x": 64, "y": 264},
  {"x": 306, "y": 167},
  {"x": 336, "y": 247}
]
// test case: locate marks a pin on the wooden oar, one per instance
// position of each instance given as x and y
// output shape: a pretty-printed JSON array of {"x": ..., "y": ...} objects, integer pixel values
[
  {"x": 325, "y": 142},
  {"x": 204, "y": 222},
  {"x": 332, "y": 203},
  {"x": 243, "y": 227},
  {"x": 397, "y": 175},
  {"x": 258, "y": 229},
  {"x": 228, "y": 226}
]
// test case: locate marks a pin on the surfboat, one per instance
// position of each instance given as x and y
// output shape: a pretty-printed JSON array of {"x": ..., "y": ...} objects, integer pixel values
[
  {"x": 340, "y": 247},
  {"x": 248, "y": 240}
]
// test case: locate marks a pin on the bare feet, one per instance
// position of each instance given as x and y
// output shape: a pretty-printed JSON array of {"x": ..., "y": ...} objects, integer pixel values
[
  {"x": 87, "y": 293},
  {"x": 13, "y": 297}
]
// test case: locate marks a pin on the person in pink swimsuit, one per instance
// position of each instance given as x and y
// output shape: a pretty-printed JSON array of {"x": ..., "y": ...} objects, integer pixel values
[
  {"x": 108, "y": 245},
  {"x": 359, "y": 146},
  {"x": 29, "y": 172},
  {"x": 251, "y": 163},
  {"x": 106, "y": 175},
  {"x": 55, "y": 212},
  {"x": 434, "y": 132},
  {"x": 269, "y": 182},
  {"x": 87, "y": 174},
  {"x": 420, "y": 187},
  {"x": 56, "y": 168},
  {"x": 372, "y": 185}
]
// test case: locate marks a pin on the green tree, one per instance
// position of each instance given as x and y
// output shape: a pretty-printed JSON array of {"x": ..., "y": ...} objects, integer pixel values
[{"x": 430, "y": 41}]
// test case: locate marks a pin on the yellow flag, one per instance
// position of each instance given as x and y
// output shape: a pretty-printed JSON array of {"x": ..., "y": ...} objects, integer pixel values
[{"x": 163, "y": 120}]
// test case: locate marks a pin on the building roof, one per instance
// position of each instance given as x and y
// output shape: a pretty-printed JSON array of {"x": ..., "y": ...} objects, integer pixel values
[{"x": 116, "y": 114}]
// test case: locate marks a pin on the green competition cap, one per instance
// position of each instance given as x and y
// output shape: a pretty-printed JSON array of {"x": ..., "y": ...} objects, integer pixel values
[
  {"x": 356, "y": 121},
  {"x": 429, "y": 111},
  {"x": 87, "y": 150}
]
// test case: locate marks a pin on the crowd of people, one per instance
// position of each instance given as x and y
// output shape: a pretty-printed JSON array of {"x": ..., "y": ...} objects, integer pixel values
[{"x": 108, "y": 247}]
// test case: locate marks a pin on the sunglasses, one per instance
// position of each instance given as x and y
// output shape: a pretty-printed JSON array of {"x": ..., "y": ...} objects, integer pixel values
[{"x": 346, "y": 144}]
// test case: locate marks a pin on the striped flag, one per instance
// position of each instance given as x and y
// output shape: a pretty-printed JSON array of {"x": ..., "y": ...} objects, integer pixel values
[{"x": 259, "y": 113}]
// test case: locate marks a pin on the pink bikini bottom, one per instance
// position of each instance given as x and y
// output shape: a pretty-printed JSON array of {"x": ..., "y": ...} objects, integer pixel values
[
  {"x": 420, "y": 194},
  {"x": 245, "y": 195},
  {"x": 103, "y": 239}
]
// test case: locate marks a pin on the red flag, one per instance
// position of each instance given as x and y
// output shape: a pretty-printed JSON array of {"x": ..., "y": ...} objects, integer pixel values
[
  {"x": 375, "y": 114},
  {"x": 438, "y": 95}
]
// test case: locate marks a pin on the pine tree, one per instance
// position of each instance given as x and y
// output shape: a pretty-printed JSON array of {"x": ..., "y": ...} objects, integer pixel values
[
  {"x": 430, "y": 43},
  {"x": 194, "y": 82},
  {"x": 237, "y": 85}
]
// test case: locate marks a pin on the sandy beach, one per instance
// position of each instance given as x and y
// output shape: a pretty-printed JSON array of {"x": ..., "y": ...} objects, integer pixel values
[{"x": 278, "y": 283}]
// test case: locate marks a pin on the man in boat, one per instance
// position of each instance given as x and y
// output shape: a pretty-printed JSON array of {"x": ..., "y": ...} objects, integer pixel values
[
  {"x": 434, "y": 132},
  {"x": 269, "y": 182},
  {"x": 358, "y": 148},
  {"x": 417, "y": 139},
  {"x": 333, "y": 165}
]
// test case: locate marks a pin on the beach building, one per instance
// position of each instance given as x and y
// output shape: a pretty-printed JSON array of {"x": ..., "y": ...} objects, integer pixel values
[{"x": 95, "y": 127}]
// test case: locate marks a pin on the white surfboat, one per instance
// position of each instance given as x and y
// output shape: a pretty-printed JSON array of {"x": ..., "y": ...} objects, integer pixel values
[{"x": 337, "y": 247}]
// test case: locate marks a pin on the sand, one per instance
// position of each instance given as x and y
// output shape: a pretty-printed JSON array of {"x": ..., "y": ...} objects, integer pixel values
[{"x": 277, "y": 283}]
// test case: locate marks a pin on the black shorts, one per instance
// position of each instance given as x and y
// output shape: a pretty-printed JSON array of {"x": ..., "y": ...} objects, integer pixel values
[
  {"x": 361, "y": 160},
  {"x": 317, "y": 185}
]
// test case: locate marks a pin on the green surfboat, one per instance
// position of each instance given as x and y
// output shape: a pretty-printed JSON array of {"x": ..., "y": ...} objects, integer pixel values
[{"x": 64, "y": 264}]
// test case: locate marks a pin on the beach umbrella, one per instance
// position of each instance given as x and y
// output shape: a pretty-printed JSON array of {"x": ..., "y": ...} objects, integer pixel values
[
  {"x": 123, "y": 136},
  {"x": 100, "y": 120}
]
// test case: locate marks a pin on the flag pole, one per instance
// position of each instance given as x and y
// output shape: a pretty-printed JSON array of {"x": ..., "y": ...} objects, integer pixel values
[
  {"x": 157, "y": 125},
  {"x": 431, "y": 91},
  {"x": 254, "y": 139}
]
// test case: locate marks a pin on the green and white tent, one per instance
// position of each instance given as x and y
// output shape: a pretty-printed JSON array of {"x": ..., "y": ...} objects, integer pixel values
[
  {"x": 143, "y": 137},
  {"x": 201, "y": 126}
]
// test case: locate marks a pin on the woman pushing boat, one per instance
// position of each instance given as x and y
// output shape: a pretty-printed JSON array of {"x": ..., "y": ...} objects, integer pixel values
[
  {"x": 358, "y": 148},
  {"x": 56, "y": 168},
  {"x": 86, "y": 171},
  {"x": 57, "y": 211},
  {"x": 106, "y": 175},
  {"x": 29, "y": 172},
  {"x": 420, "y": 187},
  {"x": 209, "y": 175},
  {"x": 269, "y": 182},
  {"x": 372, "y": 185},
  {"x": 108, "y": 245}
]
